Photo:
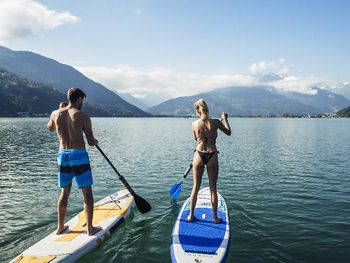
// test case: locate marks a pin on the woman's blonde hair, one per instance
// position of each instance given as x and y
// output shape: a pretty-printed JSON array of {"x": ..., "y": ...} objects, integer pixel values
[{"x": 202, "y": 108}]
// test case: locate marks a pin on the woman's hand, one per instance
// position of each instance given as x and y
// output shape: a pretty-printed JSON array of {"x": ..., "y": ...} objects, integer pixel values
[{"x": 224, "y": 115}]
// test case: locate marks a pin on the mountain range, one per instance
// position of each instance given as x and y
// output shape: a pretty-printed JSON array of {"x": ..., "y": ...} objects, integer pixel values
[
  {"x": 46, "y": 78},
  {"x": 19, "y": 96},
  {"x": 59, "y": 76},
  {"x": 255, "y": 101},
  {"x": 133, "y": 100}
]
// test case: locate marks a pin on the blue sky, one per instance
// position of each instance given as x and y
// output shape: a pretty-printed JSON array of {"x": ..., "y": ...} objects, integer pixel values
[{"x": 197, "y": 37}]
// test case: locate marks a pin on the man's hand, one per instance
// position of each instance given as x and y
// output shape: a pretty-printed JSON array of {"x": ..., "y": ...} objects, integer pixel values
[{"x": 63, "y": 104}]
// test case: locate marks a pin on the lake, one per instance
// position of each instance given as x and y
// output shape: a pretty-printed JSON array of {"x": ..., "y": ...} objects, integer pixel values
[{"x": 286, "y": 183}]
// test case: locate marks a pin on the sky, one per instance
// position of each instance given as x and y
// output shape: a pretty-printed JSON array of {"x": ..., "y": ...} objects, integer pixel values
[{"x": 175, "y": 48}]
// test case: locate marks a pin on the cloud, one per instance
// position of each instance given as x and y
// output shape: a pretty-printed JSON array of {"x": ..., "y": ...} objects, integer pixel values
[
  {"x": 138, "y": 81},
  {"x": 297, "y": 84},
  {"x": 170, "y": 83},
  {"x": 265, "y": 67},
  {"x": 26, "y": 18}
]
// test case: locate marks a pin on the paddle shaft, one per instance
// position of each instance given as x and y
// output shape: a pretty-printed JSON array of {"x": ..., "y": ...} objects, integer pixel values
[
  {"x": 188, "y": 170},
  {"x": 121, "y": 178}
]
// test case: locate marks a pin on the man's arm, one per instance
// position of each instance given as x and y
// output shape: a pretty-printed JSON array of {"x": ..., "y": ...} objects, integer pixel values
[
  {"x": 87, "y": 128},
  {"x": 51, "y": 124}
]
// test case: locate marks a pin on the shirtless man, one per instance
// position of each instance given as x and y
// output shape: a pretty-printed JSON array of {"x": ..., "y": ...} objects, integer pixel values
[{"x": 70, "y": 123}]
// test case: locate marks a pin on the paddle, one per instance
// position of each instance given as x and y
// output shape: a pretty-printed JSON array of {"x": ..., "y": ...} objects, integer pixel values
[
  {"x": 142, "y": 205},
  {"x": 175, "y": 190}
]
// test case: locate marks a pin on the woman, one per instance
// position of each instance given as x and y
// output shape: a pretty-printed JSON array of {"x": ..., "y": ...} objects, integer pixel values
[{"x": 205, "y": 133}]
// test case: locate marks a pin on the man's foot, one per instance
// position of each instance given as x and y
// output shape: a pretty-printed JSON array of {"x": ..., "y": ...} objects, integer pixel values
[
  {"x": 217, "y": 220},
  {"x": 190, "y": 218},
  {"x": 60, "y": 230},
  {"x": 94, "y": 230}
]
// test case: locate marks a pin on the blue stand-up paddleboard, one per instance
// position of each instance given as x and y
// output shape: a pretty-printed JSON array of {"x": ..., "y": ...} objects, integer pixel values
[{"x": 201, "y": 241}]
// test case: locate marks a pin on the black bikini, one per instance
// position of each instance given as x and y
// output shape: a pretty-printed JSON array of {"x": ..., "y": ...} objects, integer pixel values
[{"x": 206, "y": 156}]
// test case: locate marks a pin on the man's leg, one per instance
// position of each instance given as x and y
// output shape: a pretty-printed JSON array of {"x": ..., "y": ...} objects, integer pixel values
[
  {"x": 89, "y": 210},
  {"x": 62, "y": 209}
]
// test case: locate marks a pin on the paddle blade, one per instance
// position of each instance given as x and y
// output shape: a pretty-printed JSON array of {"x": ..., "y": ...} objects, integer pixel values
[
  {"x": 177, "y": 193},
  {"x": 142, "y": 205},
  {"x": 174, "y": 188}
]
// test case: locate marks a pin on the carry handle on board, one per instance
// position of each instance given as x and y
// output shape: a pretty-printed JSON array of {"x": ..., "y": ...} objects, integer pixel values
[{"x": 142, "y": 205}]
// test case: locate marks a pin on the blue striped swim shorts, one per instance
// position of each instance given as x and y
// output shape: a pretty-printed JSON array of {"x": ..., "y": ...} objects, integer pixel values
[{"x": 74, "y": 163}]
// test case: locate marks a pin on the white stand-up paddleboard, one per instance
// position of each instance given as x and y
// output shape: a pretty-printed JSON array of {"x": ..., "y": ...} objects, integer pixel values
[
  {"x": 109, "y": 213},
  {"x": 201, "y": 241}
]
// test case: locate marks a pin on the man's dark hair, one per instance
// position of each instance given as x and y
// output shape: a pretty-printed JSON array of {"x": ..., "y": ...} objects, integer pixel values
[{"x": 73, "y": 94}]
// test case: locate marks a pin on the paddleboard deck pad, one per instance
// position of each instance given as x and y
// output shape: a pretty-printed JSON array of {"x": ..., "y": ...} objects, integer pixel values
[
  {"x": 69, "y": 246},
  {"x": 201, "y": 241}
]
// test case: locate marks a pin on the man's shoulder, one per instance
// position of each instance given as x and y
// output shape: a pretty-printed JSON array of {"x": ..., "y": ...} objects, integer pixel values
[
  {"x": 54, "y": 113},
  {"x": 80, "y": 115}
]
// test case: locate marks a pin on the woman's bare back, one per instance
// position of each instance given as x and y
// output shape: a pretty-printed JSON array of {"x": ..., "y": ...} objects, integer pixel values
[{"x": 205, "y": 133}]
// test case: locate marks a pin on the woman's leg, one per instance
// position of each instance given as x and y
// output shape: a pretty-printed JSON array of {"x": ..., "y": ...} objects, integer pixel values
[
  {"x": 198, "y": 167},
  {"x": 213, "y": 171}
]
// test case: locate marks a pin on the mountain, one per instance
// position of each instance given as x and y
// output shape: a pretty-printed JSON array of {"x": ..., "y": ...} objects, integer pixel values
[
  {"x": 20, "y": 96},
  {"x": 61, "y": 77},
  {"x": 153, "y": 99},
  {"x": 344, "y": 112},
  {"x": 132, "y": 100},
  {"x": 238, "y": 101},
  {"x": 345, "y": 91},
  {"x": 325, "y": 101}
]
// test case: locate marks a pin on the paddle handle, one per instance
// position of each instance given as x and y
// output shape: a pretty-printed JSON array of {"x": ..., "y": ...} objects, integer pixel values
[
  {"x": 121, "y": 178},
  {"x": 188, "y": 170}
]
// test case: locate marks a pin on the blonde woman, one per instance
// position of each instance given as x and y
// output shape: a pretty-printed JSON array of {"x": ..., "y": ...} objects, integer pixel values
[{"x": 205, "y": 133}]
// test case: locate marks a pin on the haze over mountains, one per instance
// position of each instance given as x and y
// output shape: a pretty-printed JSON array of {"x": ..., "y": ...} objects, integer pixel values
[
  {"x": 61, "y": 77},
  {"x": 255, "y": 101}
]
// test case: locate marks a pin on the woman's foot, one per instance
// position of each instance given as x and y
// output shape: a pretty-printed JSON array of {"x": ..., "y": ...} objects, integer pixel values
[
  {"x": 217, "y": 220},
  {"x": 190, "y": 218},
  {"x": 94, "y": 230},
  {"x": 60, "y": 230}
]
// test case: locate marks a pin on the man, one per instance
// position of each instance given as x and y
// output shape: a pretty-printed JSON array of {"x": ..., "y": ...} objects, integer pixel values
[{"x": 70, "y": 123}]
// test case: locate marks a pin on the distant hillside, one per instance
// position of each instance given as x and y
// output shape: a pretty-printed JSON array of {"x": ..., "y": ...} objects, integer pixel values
[
  {"x": 20, "y": 96},
  {"x": 345, "y": 91},
  {"x": 61, "y": 77},
  {"x": 344, "y": 112},
  {"x": 324, "y": 101},
  {"x": 132, "y": 100},
  {"x": 237, "y": 101}
]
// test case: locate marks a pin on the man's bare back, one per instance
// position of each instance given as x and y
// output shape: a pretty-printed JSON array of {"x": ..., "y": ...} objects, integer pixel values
[{"x": 70, "y": 124}]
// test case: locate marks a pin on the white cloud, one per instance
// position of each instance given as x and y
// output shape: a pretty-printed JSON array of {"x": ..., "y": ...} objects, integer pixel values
[
  {"x": 297, "y": 84},
  {"x": 25, "y": 18},
  {"x": 142, "y": 82},
  {"x": 266, "y": 67},
  {"x": 138, "y": 81}
]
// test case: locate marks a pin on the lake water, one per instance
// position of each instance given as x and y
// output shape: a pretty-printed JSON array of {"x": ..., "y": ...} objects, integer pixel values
[{"x": 286, "y": 183}]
